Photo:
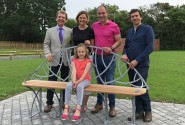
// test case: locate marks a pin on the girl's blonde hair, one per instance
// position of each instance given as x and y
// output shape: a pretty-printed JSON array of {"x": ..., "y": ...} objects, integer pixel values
[{"x": 86, "y": 50}]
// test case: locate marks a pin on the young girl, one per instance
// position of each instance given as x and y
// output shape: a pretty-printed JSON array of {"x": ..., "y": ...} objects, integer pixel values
[{"x": 80, "y": 79}]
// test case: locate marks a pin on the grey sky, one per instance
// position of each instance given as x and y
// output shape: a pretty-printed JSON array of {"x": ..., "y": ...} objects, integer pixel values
[{"x": 74, "y": 6}]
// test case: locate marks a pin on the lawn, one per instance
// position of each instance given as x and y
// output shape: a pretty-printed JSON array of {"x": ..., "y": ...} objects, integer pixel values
[
  {"x": 166, "y": 76},
  {"x": 12, "y": 74}
]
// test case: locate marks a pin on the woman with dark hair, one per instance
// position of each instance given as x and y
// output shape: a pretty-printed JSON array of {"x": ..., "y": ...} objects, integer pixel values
[{"x": 83, "y": 34}]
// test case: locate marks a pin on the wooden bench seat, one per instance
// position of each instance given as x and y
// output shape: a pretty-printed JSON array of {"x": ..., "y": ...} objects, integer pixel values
[
  {"x": 110, "y": 89},
  {"x": 106, "y": 89}
]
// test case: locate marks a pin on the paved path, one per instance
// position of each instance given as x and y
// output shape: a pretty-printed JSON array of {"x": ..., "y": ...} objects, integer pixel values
[{"x": 15, "y": 111}]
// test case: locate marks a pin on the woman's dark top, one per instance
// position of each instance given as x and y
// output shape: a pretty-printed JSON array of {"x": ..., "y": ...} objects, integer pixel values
[{"x": 79, "y": 36}]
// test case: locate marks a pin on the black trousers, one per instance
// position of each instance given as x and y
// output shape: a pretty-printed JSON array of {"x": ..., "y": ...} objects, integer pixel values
[
  {"x": 64, "y": 73},
  {"x": 143, "y": 103}
]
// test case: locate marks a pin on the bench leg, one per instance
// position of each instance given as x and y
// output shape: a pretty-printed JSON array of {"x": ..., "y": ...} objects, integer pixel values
[
  {"x": 60, "y": 101},
  {"x": 39, "y": 99},
  {"x": 133, "y": 111},
  {"x": 40, "y": 102},
  {"x": 106, "y": 110}
]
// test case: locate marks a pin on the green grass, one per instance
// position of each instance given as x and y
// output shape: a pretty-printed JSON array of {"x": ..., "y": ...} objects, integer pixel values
[
  {"x": 12, "y": 74},
  {"x": 166, "y": 76}
]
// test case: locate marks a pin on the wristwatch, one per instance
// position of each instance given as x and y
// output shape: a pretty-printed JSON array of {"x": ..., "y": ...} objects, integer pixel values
[{"x": 112, "y": 48}]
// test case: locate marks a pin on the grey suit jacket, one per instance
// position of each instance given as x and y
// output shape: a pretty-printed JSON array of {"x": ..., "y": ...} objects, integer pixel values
[{"x": 53, "y": 46}]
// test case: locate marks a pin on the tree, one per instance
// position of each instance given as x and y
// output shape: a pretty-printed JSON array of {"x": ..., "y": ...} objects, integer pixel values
[
  {"x": 27, "y": 20},
  {"x": 71, "y": 23},
  {"x": 174, "y": 23},
  {"x": 168, "y": 24}
]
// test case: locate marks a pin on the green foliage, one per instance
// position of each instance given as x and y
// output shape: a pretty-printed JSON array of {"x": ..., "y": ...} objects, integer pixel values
[
  {"x": 71, "y": 23},
  {"x": 168, "y": 23},
  {"x": 175, "y": 33},
  {"x": 27, "y": 20}
]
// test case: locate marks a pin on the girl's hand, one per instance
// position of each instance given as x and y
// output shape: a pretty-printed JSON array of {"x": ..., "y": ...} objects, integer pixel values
[{"x": 75, "y": 85}]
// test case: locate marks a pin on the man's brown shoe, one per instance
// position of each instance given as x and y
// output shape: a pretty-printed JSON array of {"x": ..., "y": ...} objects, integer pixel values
[
  {"x": 97, "y": 108},
  {"x": 112, "y": 112},
  {"x": 48, "y": 108},
  {"x": 148, "y": 117},
  {"x": 138, "y": 116}
]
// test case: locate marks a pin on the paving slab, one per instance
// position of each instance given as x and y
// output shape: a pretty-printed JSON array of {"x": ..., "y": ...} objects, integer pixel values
[{"x": 16, "y": 111}]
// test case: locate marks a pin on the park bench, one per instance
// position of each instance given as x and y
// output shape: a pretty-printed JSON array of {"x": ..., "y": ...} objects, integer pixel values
[{"x": 38, "y": 79}]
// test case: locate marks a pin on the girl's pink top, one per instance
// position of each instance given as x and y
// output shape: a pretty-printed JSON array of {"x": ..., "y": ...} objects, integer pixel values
[{"x": 80, "y": 67}]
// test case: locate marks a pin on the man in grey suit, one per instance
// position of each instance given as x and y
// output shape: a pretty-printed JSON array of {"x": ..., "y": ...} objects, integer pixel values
[{"x": 56, "y": 39}]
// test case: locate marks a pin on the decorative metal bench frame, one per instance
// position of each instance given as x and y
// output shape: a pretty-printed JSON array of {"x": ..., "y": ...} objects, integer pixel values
[{"x": 39, "y": 79}]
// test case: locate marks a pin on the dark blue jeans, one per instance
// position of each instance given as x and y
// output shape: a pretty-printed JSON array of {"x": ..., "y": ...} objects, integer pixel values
[
  {"x": 107, "y": 76},
  {"x": 143, "y": 103},
  {"x": 64, "y": 73}
]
